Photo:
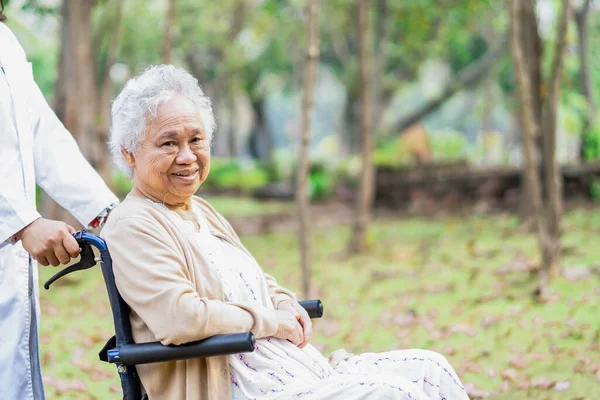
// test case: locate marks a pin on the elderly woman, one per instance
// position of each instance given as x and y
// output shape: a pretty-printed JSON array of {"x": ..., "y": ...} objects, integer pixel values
[{"x": 186, "y": 276}]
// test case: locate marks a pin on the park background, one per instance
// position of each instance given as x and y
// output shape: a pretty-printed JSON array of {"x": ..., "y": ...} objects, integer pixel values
[{"x": 437, "y": 133}]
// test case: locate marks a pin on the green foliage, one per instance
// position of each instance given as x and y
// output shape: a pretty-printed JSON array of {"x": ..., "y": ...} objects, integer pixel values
[
  {"x": 392, "y": 153},
  {"x": 121, "y": 184},
  {"x": 595, "y": 189},
  {"x": 448, "y": 146},
  {"x": 232, "y": 175},
  {"x": 591, "y": 142},
  {"x": 321, "y": 182},
  {"x": 44, "y": 63},
  {"x": 347, "y": 171}
]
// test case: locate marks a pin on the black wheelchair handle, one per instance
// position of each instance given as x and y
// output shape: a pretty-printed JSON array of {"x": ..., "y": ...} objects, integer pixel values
[{"x": 87, "y": 260}]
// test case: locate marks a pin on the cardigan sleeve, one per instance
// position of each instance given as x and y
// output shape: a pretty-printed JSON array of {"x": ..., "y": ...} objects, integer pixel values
[
  {"x": 151, "y": 275},
  {"x": 278, "y": 293}
]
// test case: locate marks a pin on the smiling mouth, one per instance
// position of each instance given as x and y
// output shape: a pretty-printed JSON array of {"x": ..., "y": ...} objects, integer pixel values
[{"x": 186, "y": 175}]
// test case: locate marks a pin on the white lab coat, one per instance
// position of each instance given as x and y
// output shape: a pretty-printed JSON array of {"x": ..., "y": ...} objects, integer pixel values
[{"x": 34, "y": 148}]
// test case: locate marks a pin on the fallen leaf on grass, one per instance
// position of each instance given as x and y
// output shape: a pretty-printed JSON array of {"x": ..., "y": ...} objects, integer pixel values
[
  {"x": 383, "y": 275},
  {"x": 463, "y": 328},
  {"x": 475, "y": 393},
  {"x": 98, "y": 374},
  {"x": 63, "y": 386},
  {"x": 488, "y": 321},
  {"x": 80, "y": 362},
  {"x": 407, "y": 319},
  {"x": 523, "y": 385},
  {"x": 518, "y": 362},
  {"x": 542, "y": 383},
  {"x": 518, "y": 264},
  {"x": 439, "y": 288},
  {"x": 115, "y": 388},
  {"x": 473, "y": 368},
  {"x": 449, "y": 350},
  {"x": 509, "y": 375},
  {"x": 504, "y": 386},
  {"x": 575, "y": 274},
  {"x": 458, "y": 310}
]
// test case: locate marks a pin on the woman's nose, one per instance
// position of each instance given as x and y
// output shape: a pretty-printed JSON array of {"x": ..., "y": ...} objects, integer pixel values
[{"x": 186, "y": 156}]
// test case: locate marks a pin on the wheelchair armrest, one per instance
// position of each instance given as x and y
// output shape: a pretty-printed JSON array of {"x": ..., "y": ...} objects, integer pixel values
[
  {"x": 314, "y": 308},
  {"x": 144, "y": 353}
]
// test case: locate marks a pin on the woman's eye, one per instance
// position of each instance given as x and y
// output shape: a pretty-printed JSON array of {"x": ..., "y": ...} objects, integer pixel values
[
  {"x": 196, "y": 140},
  {"x": 168, "y": 144}
]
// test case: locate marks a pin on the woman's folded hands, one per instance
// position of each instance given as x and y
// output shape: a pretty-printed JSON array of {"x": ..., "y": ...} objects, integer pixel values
[{"x": 294, "y": 324}]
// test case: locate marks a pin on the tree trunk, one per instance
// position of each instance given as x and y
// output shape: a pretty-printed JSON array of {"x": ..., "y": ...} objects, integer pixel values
[
  {"x": 381, "y": 33},
  {"x": 528, "y": 121},
  {"x": 547, "y": 207},
  {"x": 583, "y": 51},
  {"x": 169, "y": 33},
  {"x": 551, "y": 172},
  {"x": 76, "y": 86},
  {"x": 237, "y": 24},
  {"x": 232, "y": 142},
  {"x": 349, "y": 133},
  {"x": 261, "y": 142},
  {"x": 303, "y": 169},
  {"x": 533, "y": 49},
  {"x": 367, "y": 179}
]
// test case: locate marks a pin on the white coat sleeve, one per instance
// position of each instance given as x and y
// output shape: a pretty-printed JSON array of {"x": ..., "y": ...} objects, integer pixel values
[
  {"x": 16, "y": 211},
  {"x": 60, "y": 168}
]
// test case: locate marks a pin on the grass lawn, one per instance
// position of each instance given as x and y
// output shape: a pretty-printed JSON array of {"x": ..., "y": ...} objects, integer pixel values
[{"x": 435, "y": 284}]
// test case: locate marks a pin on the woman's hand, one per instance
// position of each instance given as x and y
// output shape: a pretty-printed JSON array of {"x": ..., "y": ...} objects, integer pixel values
[
  {"x": 288, "y": 327},
  {"x": 301, "y": 316}
]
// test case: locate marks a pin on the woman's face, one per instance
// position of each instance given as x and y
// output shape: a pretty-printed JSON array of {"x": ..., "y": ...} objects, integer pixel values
[{"x": 173, "y": 160}]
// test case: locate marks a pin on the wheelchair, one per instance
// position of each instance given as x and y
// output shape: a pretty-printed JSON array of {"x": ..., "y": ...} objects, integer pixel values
[{"x": 121, "y": 349}]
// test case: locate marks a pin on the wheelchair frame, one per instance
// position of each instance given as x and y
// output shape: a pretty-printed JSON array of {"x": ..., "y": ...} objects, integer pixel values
[{"x": 121, "y": 349}]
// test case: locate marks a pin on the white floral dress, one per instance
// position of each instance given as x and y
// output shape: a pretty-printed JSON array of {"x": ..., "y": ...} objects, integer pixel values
[{"x": 279, "y": 370}]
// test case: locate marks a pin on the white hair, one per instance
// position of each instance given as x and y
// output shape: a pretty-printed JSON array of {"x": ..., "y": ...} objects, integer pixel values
[{"x": 138, "y": 103}]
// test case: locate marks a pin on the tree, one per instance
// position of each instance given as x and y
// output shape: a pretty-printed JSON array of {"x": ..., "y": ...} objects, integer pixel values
[
  {"x": 83, "y": 88},
  {"x": 546, "y": 194},
  {"x": 367, "y": 179},
  {"x": 581, "y": 20},
  {"x": 169, "y": 33},
  {"x": 302, "y": 200},
  {"x": 75, "y": 90}
]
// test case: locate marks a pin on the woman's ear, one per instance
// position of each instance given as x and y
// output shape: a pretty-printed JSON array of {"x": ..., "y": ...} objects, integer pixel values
[{"x": 128, "y": 157}]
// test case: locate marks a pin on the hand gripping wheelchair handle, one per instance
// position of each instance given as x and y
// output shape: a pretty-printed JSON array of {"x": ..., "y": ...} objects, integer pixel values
[{"x": 86, "y": 261}]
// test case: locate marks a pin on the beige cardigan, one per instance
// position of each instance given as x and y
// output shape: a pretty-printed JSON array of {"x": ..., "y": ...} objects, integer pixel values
[{"x": 176, "y": 298}]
